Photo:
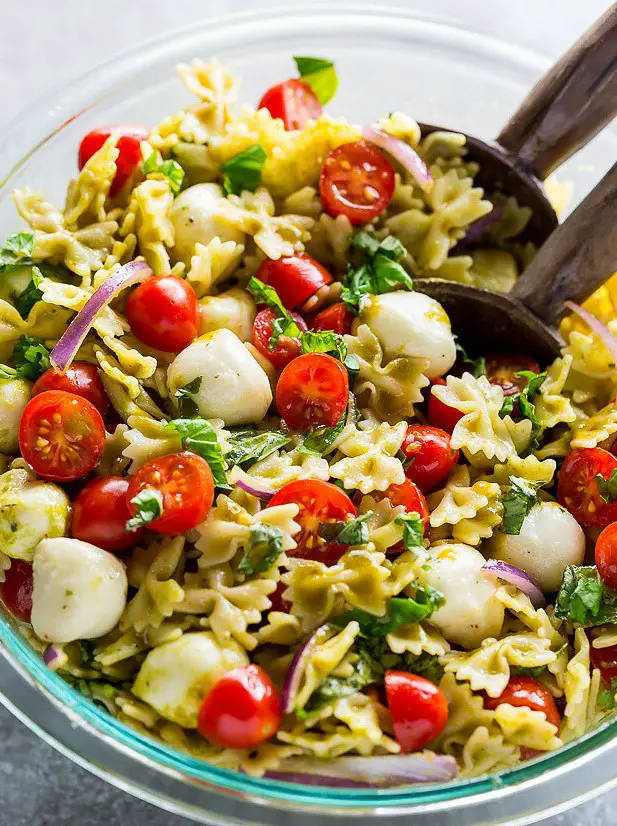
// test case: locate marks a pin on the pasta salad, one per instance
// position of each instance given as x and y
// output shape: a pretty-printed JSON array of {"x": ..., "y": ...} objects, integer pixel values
[{"x": 256, "y": 498}]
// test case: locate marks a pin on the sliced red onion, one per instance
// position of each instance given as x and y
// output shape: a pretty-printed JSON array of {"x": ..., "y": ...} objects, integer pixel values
[
  {"x": 54, "y": 658},
  {"x": 249, "y": 485},
  {"x": 296, "y": 671},
  {"x": 597, "y": 326},
  {"x": 515, "y": 576},
  {"x": 475, "y": 230},
  {"x": 65, "y": 350},
  {"x": 353, "y": 772},
  {"x": 403, "y": 153}
]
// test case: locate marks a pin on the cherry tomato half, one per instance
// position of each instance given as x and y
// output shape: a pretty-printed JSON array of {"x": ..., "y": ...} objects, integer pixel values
[
  {"x": 80, "y": 378},
  {"x": 606, "y": 555},
  {"x": 432, "y": 458},
  {"x": 286, "y": 349},
  {"x": 100, "y": 513},
  {"x": 356, "y": 181},
  {"x": 185, "y": 481},
  {"x": 409, "y": 495},
  {"x": 442, "y": 415},
  {"x": 61, "y": 435},
  {"x": 312, "y": 390},
  {"x": 418, "y": 707},
  {"x": 241, "y": 710},
  {"x": 319, "y": 502},
  {"x": 577, "y": 489},
  {"x": 16, "y": 590},
  {"x": 336, "y": 318},
  {"x": 604, "y": 659},
  {"x": 501, "y": 369},
  {"x": 525, "y": 691},
  {"x": 128, "y": 145},
  {"x": 163, "y": 313},
  {"x": 295, "y": 278},
  {"x": 293, "y": 101}
]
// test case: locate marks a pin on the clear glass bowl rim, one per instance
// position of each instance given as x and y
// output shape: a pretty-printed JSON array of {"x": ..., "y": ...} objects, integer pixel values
[{"x": 61, "y": 105}]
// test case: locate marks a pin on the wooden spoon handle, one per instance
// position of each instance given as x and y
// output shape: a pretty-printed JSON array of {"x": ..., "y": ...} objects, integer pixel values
[
  {"x": 570, "y": 104},
  {"x": 577, "y": 257}
]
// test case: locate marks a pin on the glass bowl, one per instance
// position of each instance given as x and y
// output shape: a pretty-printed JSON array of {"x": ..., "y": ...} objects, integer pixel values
[{"x": 387, "y": 59}]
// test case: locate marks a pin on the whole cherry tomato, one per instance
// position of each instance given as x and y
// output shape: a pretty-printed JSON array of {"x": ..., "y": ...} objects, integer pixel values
[
  {"x": 80, "y": 378},
  {"x": 577, "y": 489},
  {"x": 287, "y": 348},
  {"x": 319, "y": 503},
  {"x": 128, "y": 146},
  {"x": 186, "y": 484},
  {"x": 502, "y": 369},
  {"x": 295, "y": 277},
  {"x": 606, "y": 555},
  {"x": 525, "y": 691},
  {"x": 163, "y": 313},
  {"x": 241, "y": 710},
  {"x": 100, "y": 513},
  {"x": 336, "y": 318},
  {"x": 16, "y": 590},
  {"x": 356, "y": 181},
  {"x": 439, "y": 414},
  {"x": 293, "y": 101},
  {"x": 61, "y": 435},
  {"x": 418, "y": 708},
  {"x": 431, "y": 458},
  {"x": 312, "y": 390}
]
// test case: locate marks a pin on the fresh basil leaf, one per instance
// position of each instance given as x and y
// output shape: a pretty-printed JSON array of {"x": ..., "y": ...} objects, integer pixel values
[
  {"x": 584, "y": 598},
  {"x": 413, "y": 531},
  {"x": 149, "y": 504},
  {"x": 201, "y": 438},
  {"x": 320, "y": 440},
  {"x": 186, "y": 403},
  {"x": 243, "y": 171},
  {"x": 379, "y": 273},
  {"x": 30, "y": 357},
  {"x": 352, "y": 532},
  {"x": 377, "y": 648},
  {"x": 26, "y": 300},
  {"x": 534, "y": 671},
  {"x": 170, "y": 169},
  {"x": 16, "y": 250},
  {"x": 607, "y": 488},
  {"x": 324, "y": 342},
  {"x": 250, "y": 446},
  {"x": 526, "y": 407},
  {"x": 366, "y": 672},
  {"x": 283, "y": 325},
  {"x": 517, "y": 503},
  {"x": 320, "y": 75},
  {"x": 606, "y": 698},
  {"x": 400, "y": 611},
  {"x": 264, "y": 547}
]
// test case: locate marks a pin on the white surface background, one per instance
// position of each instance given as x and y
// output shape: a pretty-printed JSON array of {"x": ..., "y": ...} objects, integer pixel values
[{"x": 43, "y": 43}]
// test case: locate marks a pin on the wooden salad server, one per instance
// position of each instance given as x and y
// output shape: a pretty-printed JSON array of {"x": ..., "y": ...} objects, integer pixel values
[
  {"x": 567, "y": 107},
  {"x": 578, "y": 257}
]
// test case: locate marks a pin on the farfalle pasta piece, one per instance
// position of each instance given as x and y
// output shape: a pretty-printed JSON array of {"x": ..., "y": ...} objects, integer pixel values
[
  {"x": 522, "y": 726},
  {"x": 595, "y": 430},
  {"x": 361, "y": 714},
  {"x": 536, "y": 619},
  {"x": 370, "y": 461},
  {"x": 283, "y": 467},
  {"x": 472, "y": 511},
  {"x": 280, "y": 629},
  {"x": 577, "y": 684},
  {"x": 330, "y": 240},
  {"x": 158, "y": 592},
  {"x": 107, "y": 323},
  {"x": 552, "y": 407},
  {"x": 88, "y": 193},
  {"x": 486, "y": 751},
  {"x": 336, "y": 741},
  {"x": 304, "y": 201},
  {"x": 384, "y": 533},
  {"x": 392, "y": 387},
  {"x": 148, "y": 216},
  {"x": 211, "y": 263},
  {"x": 326, "y": 653},
  {"x": 215, "y": 86},
  {"x": 417, "y": 638},
  {"x": 148, "y": 439},
  {"x": 531, "y": 469}
]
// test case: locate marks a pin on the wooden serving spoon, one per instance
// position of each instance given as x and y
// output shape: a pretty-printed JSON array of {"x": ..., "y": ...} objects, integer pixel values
[
  {"x": 579, "y": 256},
  {"x": 567, "y": 107}
]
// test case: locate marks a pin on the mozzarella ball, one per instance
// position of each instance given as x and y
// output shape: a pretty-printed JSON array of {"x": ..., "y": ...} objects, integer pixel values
[
  {"x": 175, "y": 677},
  {"x": 233, "y": 386},
  {"x": 549, "y": 541},
  {"x": 29, "y": 511},
  {"x": 233, "y": 310},
  {"x": 79, "y": 590},
  {"x": 194, "y": 220},
  {"x": 412, "y": 324},
  {"x": 14, "y": 396},
  {"x": 471, "y": 611}
]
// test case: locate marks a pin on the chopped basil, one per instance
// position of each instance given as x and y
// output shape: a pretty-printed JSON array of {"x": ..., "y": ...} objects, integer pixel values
[
  {"x": 527, "y": 670},
  {"x": 320, "y": 440},
  {"x": 26, "y": 300},
  {"x": 517, "y": 503},
  {"x": 320, "y": 75},
  {"x": 329, "y": 342},
  {"x": 30, "y": 357},
  {"x": 170, "y": 169},
  {"x": 424, "y": 665},
  {"x": 243, "y": 171},
  {"x": 264, "y": 547},
  {"x": 526, "y": 407},
  {"x": 16, "y": 250},
  {"x": 379, "y": 273},
  {"x": 607, "y": 488},
  {"x": 353, "y": 532},
  {"x": 366, "y": 672},
  {"x": 413, "y": 532},
  {"x": 201, "y": 438},
  {"x": 186, "y": 402},
  {"x": 400, "y": 611},
  {"x": 283, "y": 324},
  {"x": 606, "y": 698},
  {"x": 149, "y": 504},
  {"x": 251, "y": 445},
  {"x": 584, "y": 598}
]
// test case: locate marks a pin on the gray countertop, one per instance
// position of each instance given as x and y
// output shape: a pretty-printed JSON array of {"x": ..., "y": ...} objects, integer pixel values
[{"x": 45, "y": 43}]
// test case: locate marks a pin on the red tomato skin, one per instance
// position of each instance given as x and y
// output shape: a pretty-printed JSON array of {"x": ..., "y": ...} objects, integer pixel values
[
  {"x": 418, "y": 707},
  {"x": 128, "y": 145},
  {"x": 286, "y": 349},
  {"x": 100, "y": 513},
  {"x": 439, "y": 414},
  {"x": 293, "y": 101},
  {"x": 606, "y": 555},
  {"x": 312, "y": 390},
  {"x": 319, "y": 502},
  {"x": 336, "y": 318},
  {"x": 79, "y": 433},
  {"x": 278, "y": 603},
  {"x": 525, "y": 691},
  {"x": 501, "y": 369},
  {"x": 80, "y": 378},
  {"x": 186, "y": 482},
  {"x": 409, "y": 495},
  {"x": 241, "y": 710},
  {"x": 433, "y": 457},
  {"x": 577, "y": 489},
  {"x": 163, "y": 313},
  {"x": 605, "y": 659},
  {"x": 295, "y": 278},
  {"x": 356, "y": 181},
  {"x": 16, "y": 590}
]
